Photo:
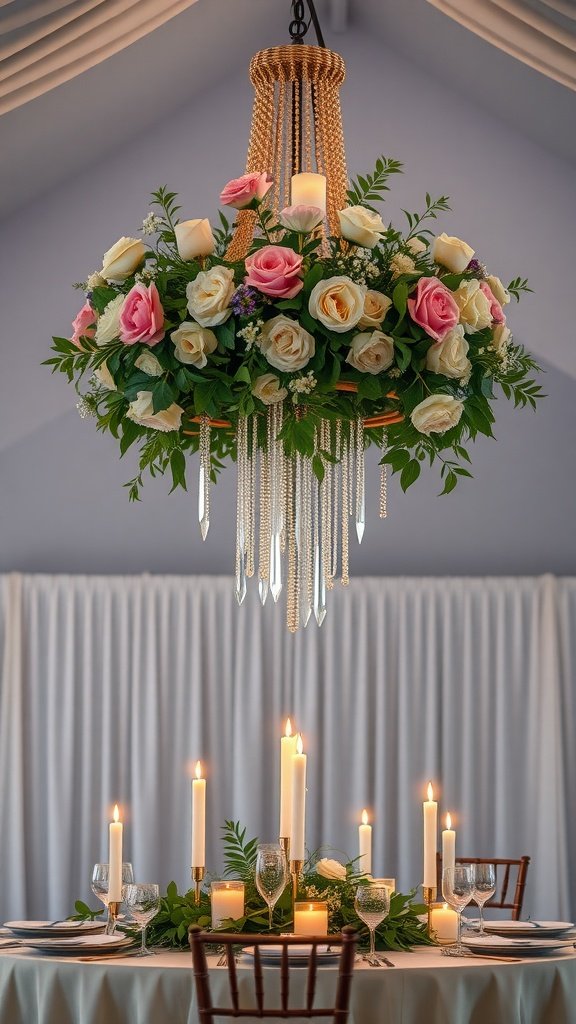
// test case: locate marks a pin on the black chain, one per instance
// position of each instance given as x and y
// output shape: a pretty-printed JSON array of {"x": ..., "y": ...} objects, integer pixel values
[{"x": 298, "y": 27}]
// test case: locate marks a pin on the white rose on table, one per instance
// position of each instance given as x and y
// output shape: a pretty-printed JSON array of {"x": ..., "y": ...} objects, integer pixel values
[
  {"x": 142, "y": 411},
  {"x": 451, "y": 252},
  {"x": 337, "y": 302},
  {"x": 376, "y": 305},
  {"x": 450, "y": 356},
  {"x": 122, "y": 259},
  {"x": 501, "y": 339},
  {"x": 371, "y": 352},
  {"x": 194, "y": 238},
  {"x": 437, "y": 414},
  {"x": 267, "y": 388},
  {"x": 108, "y": 323},
  {"x": 331, "y": 869},
  {"x": 286, "y": 344},
  {"x": 474, "y": 306},
  {"x": 103, "y": 375},
  {"x": 361, "y": 226},
  {"x": 500, "y": 293},
  {"x": 193, "y": 343},
  {"x": 149, "y": 364},
  {"x": 209, "y": 296}
]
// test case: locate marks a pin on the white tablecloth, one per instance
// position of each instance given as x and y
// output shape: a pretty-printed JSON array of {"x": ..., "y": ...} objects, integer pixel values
[{"x": 424, "y": 988}]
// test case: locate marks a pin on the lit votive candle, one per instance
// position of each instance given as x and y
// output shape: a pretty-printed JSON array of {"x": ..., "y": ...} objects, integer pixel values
[
  {"x": 227, "y": 899},
  {"x": 444, "y": 923},
  {"x": 310, "y": 918},
  {"x": 308, "y": 189}
]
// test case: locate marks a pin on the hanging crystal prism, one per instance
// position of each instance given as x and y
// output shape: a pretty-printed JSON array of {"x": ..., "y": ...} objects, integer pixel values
[
  {"x": 360, "y": 479},
  {"x": 204, "y": 477},
  {"x": 242, "y": 458},
  {"x": 275, "y": 566},
  {"x": 263, "y": 591}
]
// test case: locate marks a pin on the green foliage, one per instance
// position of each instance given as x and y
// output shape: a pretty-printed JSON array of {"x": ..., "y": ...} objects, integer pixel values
[
  {"x": 364, "y": 191},
  {"x": 433, "y": 208}
]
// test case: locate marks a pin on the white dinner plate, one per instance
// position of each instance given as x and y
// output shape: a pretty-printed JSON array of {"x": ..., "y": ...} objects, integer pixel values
[
  {"x": 529, "y": 929},
  {"x": 45, "y": 929},
  {"x": 296, "y": 954},
  {"x": 80, "y": 945},
  {"x": 496, "y": 945}
]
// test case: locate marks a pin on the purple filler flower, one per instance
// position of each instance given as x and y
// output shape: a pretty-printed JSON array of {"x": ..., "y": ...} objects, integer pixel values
[
  {"x": 475, "y": 267},
  {"x": 244, "y": 301}
]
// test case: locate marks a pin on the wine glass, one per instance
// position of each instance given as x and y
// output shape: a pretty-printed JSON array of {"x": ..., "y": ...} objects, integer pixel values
[
  {"x": 457, "y": 890},
  {"x": 372, "y": 904},
  {"x": 484, "y": 888},
  {"x": 100, "y": 879},
  {"x": 143, "y": 901},
  {"x": 271, "y": 874}
]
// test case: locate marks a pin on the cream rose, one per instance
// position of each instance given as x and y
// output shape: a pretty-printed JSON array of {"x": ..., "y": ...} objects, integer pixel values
[
  {"x": 362, "y": 226},
  {"x": 209, "y": 296},
  {"x": 95, "y": 281},
  {"x": 474, "y": 306},
  {"x": 122, "y": 259},
  {"x": 149, "y": 364},
  {"x": 103, "y": 375},
  {"x": 416, "y": 246},
  {"x": 376, "y": 305},
  {"x": 371, "y": 352},
  {"x": 437, "y": 414},
  {"x": 286, "y": 344},
  {"x": 193, "y": 343},
  {"x": 500, "y": 293},
  {"x": 401, "y": 264},
  {"x": 337, "y": 302},
  {"x": 267, "y": 389},
  {"x": 108, "y": 323},
  {"x": 194, "y": 238},
  {"x": 331, "y": 869},
  {"x": 452, "y": 253},
  {"x": 142, "y": 412},
  {"x": 450, "y": 355},
  {"x": 500, "y": 339}
]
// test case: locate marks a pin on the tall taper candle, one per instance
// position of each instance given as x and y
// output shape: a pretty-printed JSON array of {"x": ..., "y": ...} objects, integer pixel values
[
  {"x": 287, "y": 751},
  {"x": 298, "y": 822},
  {"x": 365, "y": 845},
  {"x": 198, "y": 819},
  {"x": 115, "y": 858},
  {"x": 430, "y": 833},
  {"x": 448, "y": 845}
]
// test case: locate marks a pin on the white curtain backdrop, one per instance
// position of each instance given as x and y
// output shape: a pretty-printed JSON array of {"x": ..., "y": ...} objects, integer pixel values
[{"x": 112, "y": 687}]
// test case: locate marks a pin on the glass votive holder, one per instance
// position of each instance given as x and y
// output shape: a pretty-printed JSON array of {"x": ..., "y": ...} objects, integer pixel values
[
  {"x": 310, "y": 918},
  {"x": 444, "y": 924},
  {"x": 227, "y": 900}
]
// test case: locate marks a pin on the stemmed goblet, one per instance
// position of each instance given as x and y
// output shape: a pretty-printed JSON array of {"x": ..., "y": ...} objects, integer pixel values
[
  {"x": 271, "y": 875},
  {"x": 457, "y": 890},
  {"x": 100, "y": 885},
  {"x": 484, "y": 889},
  {"x": 143, "y": 902},
  {"x": 372, "y": 904}
]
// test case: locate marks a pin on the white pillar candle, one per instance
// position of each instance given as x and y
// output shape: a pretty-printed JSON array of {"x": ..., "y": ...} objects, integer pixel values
[
  {"x": 227, "y": 899},
  {"x": 198, "y": 819},
  {"x": 430, "y": 831},
  {"x": 115, "y": 858},
  {"x": 309, "y": 190},
  {"x": 444, "y": 923},
  {"x": 298, "y": 821},
  {"x": 287, "y": 751},
  {"x": 448, "y": 845},
  {"x": 310, "y": 918},
  {"x": 365, "y": 845}
]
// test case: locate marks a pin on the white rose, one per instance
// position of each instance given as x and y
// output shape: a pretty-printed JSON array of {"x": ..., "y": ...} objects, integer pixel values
[
  {"x": 362, "y": 226},
  {"x": 193, "y": 343},
  {"x": 108, "y": 323},
  {"x": 337, "y": 302},
  {"x": 401, "y": 264},
  {"x": 416, "y": 246},
  {"x": 452, "y": 253},
  {"x": 149, "y": 364},
  {"x": 267, "y": 389},
  {"x": 194, "y": 238},
  {"x": 450, "y": 356},
  {"x": 286, "y": 344},
  {"x": 209, "y": 296},
  {"x": 437, "y": 414},
  {"x": 102, "y": 374},
  {"x": 122, "y": 259},
  {"x": 142, "y": 412},
  {"x": 500, "y": 339},
  {"x": 302, "y": 219},
  {"x": 474, "y": 306},
  {"x": 500, "y": 293},
  {"x": 331, "y": 869},
  {"x": 376, "y": 305},
  {"x": 94, "y": 281},
  {"x": 371, "y": 352}
]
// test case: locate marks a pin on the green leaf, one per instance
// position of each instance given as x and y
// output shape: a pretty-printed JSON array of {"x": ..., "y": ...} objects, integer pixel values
[
  {"x": 178, "y": 468},
  {"x": 318, "y": 468},
  {"x": 243, "y": 374},
  {"x": 101, "y": 296},
  {"x": 409, "y": 474},
  {"x": 162, "y": 395},
  {"x": 399, "y": 297}
]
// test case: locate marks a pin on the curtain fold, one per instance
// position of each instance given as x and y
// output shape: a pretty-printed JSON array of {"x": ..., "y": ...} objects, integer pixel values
[{"x": 112, "y": 687}]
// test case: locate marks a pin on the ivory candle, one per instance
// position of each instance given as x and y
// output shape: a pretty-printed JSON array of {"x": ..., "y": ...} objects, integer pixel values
[
  {"x": 227, "y": 899},
  {"x": 298, "y": 819},
  {"x": 310, "y": 918},
  {"x": 309, "y": 190},
  {"x": 430, "y": 829},
  {"x": 115, "y": 858},
  {"x": 287, "y": 751},
  {"x": 444, "y": 923},
  {"x": 365, "y": 845},
  {"x": 448, "y": 845},
  {"x": 198, "y": 819}
]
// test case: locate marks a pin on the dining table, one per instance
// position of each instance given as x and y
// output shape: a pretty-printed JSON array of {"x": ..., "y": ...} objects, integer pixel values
[{"x": 423, "y": 987}]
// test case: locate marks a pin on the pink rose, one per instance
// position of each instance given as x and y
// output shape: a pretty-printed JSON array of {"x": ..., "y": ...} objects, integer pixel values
[
  {"x": 496, "y": 311},
  {"x": 84, "y": 325},
  {"x": 142, "y": 316},
  {"x": 432, "y": 306},
  {"x": 241, "y": 191},
  {"x": 275, "y": 270}
]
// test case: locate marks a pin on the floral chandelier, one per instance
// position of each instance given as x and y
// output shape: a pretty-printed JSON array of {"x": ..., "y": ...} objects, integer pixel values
[{"x": 295, "y": 339}]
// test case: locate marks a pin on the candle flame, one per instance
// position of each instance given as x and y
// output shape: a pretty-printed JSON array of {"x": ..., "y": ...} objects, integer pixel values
[
  {"x": 288, "y": 729},
  {"x": 445, "y": 906},
  {"x": 364, "y": 817},
  {"x": 430, "y": 791},
  {"x": 116, "y": 814},
  {"x": 448, "y": 820},
  {"x": 198, "y": 770},
  {"x": 299, "y": 744}
]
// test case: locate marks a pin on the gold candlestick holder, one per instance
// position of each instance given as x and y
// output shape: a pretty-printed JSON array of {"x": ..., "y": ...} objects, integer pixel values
[
  {"x": 295, "y": 871},
  {"x": 429, "y": 892},
  {"x": 197, "y": 878},
  {"x": 113, "y": 913}
]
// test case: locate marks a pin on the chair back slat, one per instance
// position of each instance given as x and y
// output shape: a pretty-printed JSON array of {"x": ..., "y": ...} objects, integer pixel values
[
  {"x": 311, "y": 980},
  {"x": 345, "y": 977},
  {"x": 258, "y": 980},
  {"x": 284, "y": 979},
  {"x": 504, "y": 866},
  {"x": 232, "y": 976}
]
